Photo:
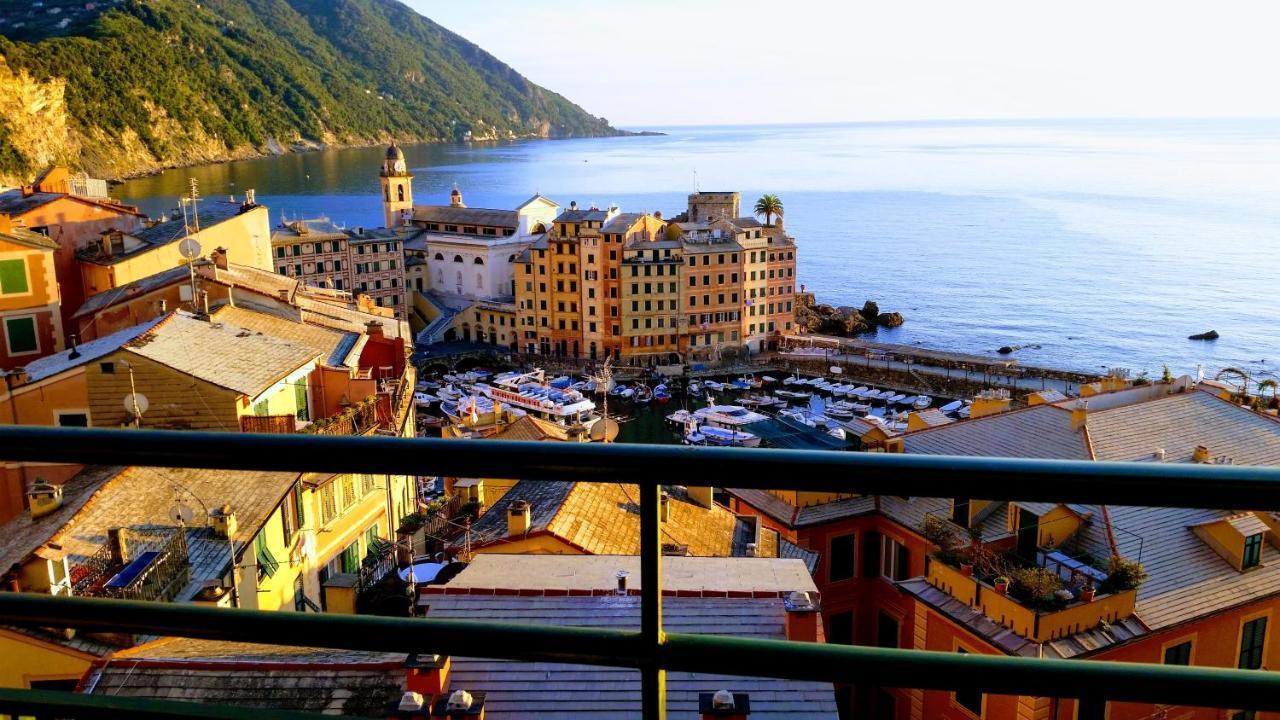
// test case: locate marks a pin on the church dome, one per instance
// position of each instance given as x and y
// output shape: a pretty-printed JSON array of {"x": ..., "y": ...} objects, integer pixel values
[{"x": 395, "y": 153}]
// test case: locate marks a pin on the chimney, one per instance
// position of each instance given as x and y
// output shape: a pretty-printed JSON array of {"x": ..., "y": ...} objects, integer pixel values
[
  {"x": 724, "y": 705},
  {"x": 666, "y": 507},
  {"x": 411, "y": 702},
  {"x": 519, "y": 518},
  {"x": 118, "y": 541},
  {"x": 250, "y": 197},
  {"x": 1200, "y": 454},
  {"x": 28, "y": 191},
  {"x": 224, "y": 521},
  {"x": 459, "y": 704},
  {"x": 16, "y": 377},
  {"x": 43, "y": 498},
  {"x": 1159, "y": 455},
  {"x": 75, "y": 347},
  {"x": 219, "y": 258},
  {"x": 622, "y": 582},
  {"x": 573, "y": 204},
  {"x": 801, "y": 621},
  {"x": 373, "y": 329},
  {"x": 700, "y": 495},
  {"x": 428, "y": 675},
  {"x": 1080, "y": 415}
]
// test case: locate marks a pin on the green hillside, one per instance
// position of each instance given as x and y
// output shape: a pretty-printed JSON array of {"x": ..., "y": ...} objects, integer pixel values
[{"x": 175, "y": 81}]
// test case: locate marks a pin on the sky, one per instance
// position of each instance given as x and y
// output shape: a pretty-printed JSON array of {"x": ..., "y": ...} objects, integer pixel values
[{"x": 706, "y": 62}]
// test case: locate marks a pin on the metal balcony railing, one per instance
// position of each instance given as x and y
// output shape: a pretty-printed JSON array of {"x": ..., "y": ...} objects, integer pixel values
[{"x": 650, "y": 650}]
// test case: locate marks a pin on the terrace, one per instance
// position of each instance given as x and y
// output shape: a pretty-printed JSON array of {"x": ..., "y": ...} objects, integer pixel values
[{"x": 650, "y": 649}]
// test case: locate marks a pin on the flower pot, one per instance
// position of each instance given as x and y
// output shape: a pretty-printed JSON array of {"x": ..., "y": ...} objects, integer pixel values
[
  {"x": 1002, "y": 587},
  {"x": 966, "y": 569},
  {"x": 1087, "y": 595}
]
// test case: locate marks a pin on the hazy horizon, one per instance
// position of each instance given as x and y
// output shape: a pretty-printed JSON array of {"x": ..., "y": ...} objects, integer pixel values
[{"x": 746, "y": 62}]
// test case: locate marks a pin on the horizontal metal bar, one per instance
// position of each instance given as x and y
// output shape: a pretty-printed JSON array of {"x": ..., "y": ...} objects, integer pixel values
[
  {"x": 682, "y": 652},
  {"x": 1164, "y": 484},
  {"x": 52, "y": 703}
]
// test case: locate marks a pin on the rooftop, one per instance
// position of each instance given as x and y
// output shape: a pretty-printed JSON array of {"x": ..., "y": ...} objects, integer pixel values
[
  {"x": 230, "y": 356},
  {"x": 341, "y": 682},
  {"x": 116, "y": 295},
  {"x": 170, "y": 231},
  {"x": 51, "y": 365},
  {"x": 449, "y": 215},
  {"x": 29, "y": 238},
  {"x": 583, "y": 215},
  {"x": 321, "y": 228},
  {"x": 334, "y": 347}
]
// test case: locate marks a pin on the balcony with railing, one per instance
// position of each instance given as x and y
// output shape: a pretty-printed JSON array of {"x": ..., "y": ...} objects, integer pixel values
[{"x": 651, "y": 649}]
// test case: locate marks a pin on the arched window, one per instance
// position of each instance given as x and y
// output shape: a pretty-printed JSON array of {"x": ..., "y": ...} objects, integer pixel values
[
  {"x": 479, "y": 261},
  {"x": 400, "y": 192},
  {"x": 457, "y": 258},
  {"x": 439, "y": 256}
]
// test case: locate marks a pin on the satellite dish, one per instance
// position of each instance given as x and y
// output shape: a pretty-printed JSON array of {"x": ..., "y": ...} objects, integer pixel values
[
  {"x": 189, "y": 248},
  {"x": 604, "y": 428},
  {"x": 182, "y": 514},
  {"x": 136, "y": 402}
]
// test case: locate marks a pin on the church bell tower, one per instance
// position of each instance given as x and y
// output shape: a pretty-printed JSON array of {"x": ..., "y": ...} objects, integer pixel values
[{"x": 397, "y": 188}]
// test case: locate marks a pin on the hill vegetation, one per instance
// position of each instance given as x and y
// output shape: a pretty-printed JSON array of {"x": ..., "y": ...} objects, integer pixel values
[{"x": 146, "y": 84}]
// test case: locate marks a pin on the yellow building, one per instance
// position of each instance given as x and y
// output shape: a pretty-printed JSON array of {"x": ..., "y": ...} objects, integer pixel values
[
  {"x": 712, "y": 286},
  {"x": 652, "y": 318},
  {"x": 119, "y": 258},
  {"x": 30, "y": 302}
]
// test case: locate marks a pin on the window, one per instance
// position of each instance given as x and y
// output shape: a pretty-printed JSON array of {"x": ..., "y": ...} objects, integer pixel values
[
  {"x": 894, "y": 559},
  {"x": 970, "y": 698},
  {"x": 887, "y": 633},
  {"x": 107, "y": 368},
  {"x": 20, "y": 335},
  {"x": 841, "y": 558},
  {"x": 1253, "y": 637},
  {"x": 267, "y": 563},
  {"x": 291, "y": 514},
  {"x": 280, "y": 251},
  {"x": 73, "y": 419},
  {"x": 840, "y": 628},
  {"x": 1179, "y": 654},
  {"x": 328, "y": 503},
  {"x": 1252, "y": 552}
]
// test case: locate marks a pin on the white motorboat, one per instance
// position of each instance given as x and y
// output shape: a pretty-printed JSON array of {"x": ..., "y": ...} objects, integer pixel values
[
  {"x": 449, "y": 392},
  {"x": 894, "y": 399},
  {"x": 907, "y": 400},
  {"x": 922, "y": 402},
  {"x": 952, "y": 406},
  {"x": 714, "y": 385},
  {"x": 793, "y": 380},
  {"x": 840, "y": 413},
  {"x": 793, "y": 395},
  {"x": 527, "y": 392},
  {"x": 711, "y": 435},
  {"x": 680, "y": 417},
  {"x": 423, "y": 399},
  {"x": 768, "y": 380},
  {"x": 695, "y": 388},
  {"x": 728, "y": 416},
  {"x": 860, "y": 391}
]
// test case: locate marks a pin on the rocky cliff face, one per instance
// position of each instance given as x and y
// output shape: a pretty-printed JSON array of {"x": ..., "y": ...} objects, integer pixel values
[{"x": 34, "y": 125}]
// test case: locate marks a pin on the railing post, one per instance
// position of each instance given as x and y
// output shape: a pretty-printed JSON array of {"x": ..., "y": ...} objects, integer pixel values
[{"x": 653, "y": 678}]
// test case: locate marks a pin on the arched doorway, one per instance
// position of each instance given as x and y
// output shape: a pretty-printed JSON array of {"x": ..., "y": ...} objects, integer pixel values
[
  {"x": 450, "y": 335},
  {"x": 592, "y": 350},
  {"x": 466, "y": 333}
]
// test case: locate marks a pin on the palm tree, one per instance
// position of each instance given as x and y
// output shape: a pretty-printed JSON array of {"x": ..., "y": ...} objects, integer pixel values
[
  {"x": 769, "y": 205},
  {"x": 1268, "y": 384},
  {"x": 1239, "y": 375}
]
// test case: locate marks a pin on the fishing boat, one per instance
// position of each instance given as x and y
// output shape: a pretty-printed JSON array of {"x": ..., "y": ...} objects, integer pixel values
[
  {"x": 794, "y": 380},
  {"x": 952, "y": 406},
  {"x": 906, "y": 400},
  {"x": 768, "y": 380},
  {"x": 922, "y": 402},
  {"x": 838, "y": 412},
  {"x": 422, "y": 399},
  {"x": 793, "y": 395},
  {"x": 449, "y": 392},
  {"x": 680, "y": 417},
  {"x": 963, "y": 412},
  {"x": 714, "y": 385},
  {"x": 642, "y": 394},
  {"x": 661, "y": 394}
]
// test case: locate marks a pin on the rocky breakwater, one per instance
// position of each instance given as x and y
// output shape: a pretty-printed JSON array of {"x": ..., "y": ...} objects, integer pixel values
[{"x": 822, "y": 319}]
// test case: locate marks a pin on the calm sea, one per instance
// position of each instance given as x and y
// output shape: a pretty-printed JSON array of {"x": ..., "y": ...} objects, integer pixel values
[{"x": 1090, "y": 243}]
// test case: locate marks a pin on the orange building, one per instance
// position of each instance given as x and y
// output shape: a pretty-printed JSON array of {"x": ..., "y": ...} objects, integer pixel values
[
  {"x": 72, "y": 212},
  {"x": 712, "y": 290},
  {"x": 30, "y": 317},
  {"x": 1212, "y": 581}
]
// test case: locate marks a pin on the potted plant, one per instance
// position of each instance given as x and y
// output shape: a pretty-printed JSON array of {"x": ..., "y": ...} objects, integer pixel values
[
  {"x": 1123, "y": 575},
  {"x": 1088, "y": 592},
  {"x": 1002, "y": 585}
]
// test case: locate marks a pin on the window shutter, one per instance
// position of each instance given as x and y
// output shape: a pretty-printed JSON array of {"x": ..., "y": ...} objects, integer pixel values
[
  {"x": 902, "y": 569},
  {"x": 870, "y": 554}
]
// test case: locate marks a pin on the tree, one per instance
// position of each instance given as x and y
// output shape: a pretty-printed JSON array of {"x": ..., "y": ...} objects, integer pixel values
[
  {"x": 1265, "y": 385},
  {"x": 1239, "y": 375},
  {"x": 769, "y": 205}
]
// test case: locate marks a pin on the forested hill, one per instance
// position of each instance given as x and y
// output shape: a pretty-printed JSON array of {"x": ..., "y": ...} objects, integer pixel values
[{"x": 122, "y": 87}]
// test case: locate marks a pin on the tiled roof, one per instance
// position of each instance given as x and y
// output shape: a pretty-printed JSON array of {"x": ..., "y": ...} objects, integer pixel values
[
  {"x": 141, "y": 286},
  {"x": 332, "y": 345},
  {"x": 141, "y": 498},
  {"x": 1178, "y": 423},
  {"x": 173, "y": 230},
  {"x": 1043, "y": 431},
  {"x": 582, "y": 215},
  {"x": 12, "y": 202},
  {"x": 1247, "y": 524},
  {"x": 767, "y": 503},
  {"x": 23, "y": 236},
  {"x": 336, "y": 682},
  {"x": 447, "y": 214},
  {"x": 51, "y": 365},
  {"x": 933, "y": 417},
  {"x": 551, "y": 573},
  {"x": 221, "y": 353},
  {"x": 321, "y": 228},
  {"x": 529, "y": 427},
  {"x": 518, "y": 690},
  {"x": 621, "y": 222},
  {"x": 604, "y": 519},
  {"x": 747, "y": 222},
  {"x": 263, "y": 282}
]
